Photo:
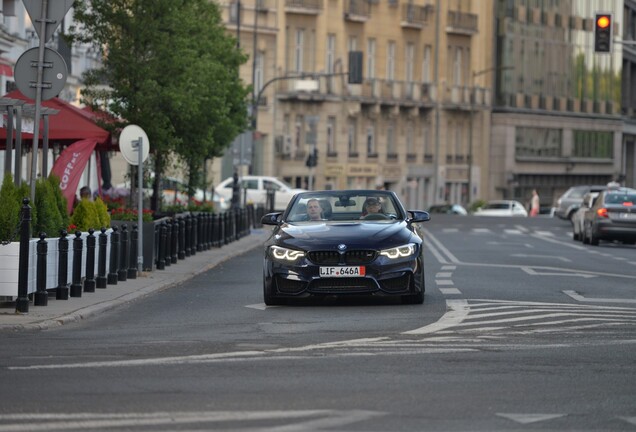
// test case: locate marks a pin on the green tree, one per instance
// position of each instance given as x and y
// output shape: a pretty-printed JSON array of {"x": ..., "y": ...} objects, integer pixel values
[
  {"x": 60, "y": 200},
  {"x": 172, "y": 69}
]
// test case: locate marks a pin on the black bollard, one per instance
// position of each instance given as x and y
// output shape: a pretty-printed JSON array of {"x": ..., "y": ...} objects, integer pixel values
[
  {"x": 89, "y": 281},
  {"x": 76, "y": 281},
  {"x": 122, "y": 272},
  {"x": 114, "y": 257},
  {"x": 174, "y": 243},
  {"x": 168, "y": 247},
  {"x": 100, "y": 280},
  {"x": 22, "y": 302},
  {"x": 61, "y": 292},
  {"x": 188, "y": 236},
  {"x": 182, "y": 225},
  {"x": 132, "y": 260},
  {"x": 161, "y": 259},
  {"x": 41, "y": 297}
]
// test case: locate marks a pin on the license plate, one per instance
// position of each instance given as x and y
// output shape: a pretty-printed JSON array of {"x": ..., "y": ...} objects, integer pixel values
[
  {"x": 628, "y": 216},
  {"x": 350, "y": 271}
]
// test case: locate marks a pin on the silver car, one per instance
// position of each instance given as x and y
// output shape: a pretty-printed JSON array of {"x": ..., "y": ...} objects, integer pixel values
[
  {"x": 579, "y": 215},
  {"x": 571, "y": 200}
]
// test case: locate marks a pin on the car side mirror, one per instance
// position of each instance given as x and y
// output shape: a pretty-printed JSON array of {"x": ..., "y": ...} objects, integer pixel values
[
  {"x": 418, "y": 216},
  {"x": 271, "y": 219}
]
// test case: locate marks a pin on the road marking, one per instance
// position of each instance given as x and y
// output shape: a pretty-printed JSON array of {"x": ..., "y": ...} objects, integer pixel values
[
  {"x": 294, "y": 420},
  {"x": 533, "y": 272},
  {"x": 542, "y": 256},
  {"x": 444, "y": 282},
  {"x": 631, "y": 420},
  {"x": 530, "y": 418},
  {"x": 450, "y": 230},
  {"x": 443, "y": 274},
  {"x": 452, "y": 267},
  {"x": 450, "y": 291},
  {"x": 545, "y": 233},
  {"x": 457, "y": 311},
  {"x": 513, "y": 231},
  {"x": 578, "y": 297},
  {"x": 481, "y": 230},
  {"x": 259, "y": 306}
]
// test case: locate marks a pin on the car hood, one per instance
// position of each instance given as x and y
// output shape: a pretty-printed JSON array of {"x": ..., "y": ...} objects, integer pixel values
[{"x": 355, "y": 235}]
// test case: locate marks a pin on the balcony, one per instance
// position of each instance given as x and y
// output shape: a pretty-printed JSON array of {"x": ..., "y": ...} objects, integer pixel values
[
  {"x": 304, "y": 7},
  {"x": 461, "y": 23},
  {"x": 415, "y": 17},
  {"x": 356, "y": 10}
]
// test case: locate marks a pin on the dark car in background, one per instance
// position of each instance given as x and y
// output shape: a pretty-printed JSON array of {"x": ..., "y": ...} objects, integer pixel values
[
  {"x": 571, "y": 200},
  {"x": 612, "y": 217},
  {"x": 345, "y": 251}
]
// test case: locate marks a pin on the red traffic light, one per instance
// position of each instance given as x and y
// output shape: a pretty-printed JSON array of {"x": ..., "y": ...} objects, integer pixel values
[{"x": 603, "y": 21}]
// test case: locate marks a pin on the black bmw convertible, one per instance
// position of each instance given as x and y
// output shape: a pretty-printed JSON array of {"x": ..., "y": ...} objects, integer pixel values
[{"x": 345, "y": 242}]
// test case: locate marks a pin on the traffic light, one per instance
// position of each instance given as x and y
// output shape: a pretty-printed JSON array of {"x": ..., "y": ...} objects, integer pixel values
[
  {"x": 312, "y": 159},
  {"x": 603, "y": 33}
]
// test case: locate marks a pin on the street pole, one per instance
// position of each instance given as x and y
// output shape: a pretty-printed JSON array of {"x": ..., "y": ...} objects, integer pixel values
[{"x": 140, "y": 207}]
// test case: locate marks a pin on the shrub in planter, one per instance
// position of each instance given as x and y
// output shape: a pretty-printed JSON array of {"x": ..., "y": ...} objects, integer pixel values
[
  {"x": 102, "y": 213},
  {"x": 10, "y": 209},
  {"x": 85, "y": 215},
  {"x": 49, "y": 220},
  {"x": 124, "y": 214}
]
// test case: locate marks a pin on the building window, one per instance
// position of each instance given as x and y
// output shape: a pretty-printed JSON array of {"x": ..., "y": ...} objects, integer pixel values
[
  {"x": 351, "y": 138},
  {"x": 298, "y": 50},
  {"x": 371, "y": 140},
  {"x": 457, "y": 67},
  {"x": 409, "y": 57},
  {"x": 593, "y": 144},
  {"x": 331, "y": 136},
  {"x": 331, "y": 52},
  {"x": 390, "y": 140},
  {"x": 258, "y": 71},
  {"x": 371, "y": 59},
  {"x": 353, "y": 43},
  {"x": 426, "y": 64},
  {"x": 538, "y": 142},
  {"x": 426, "y": 142},
  {"x": 390, "y": 61},
  {"x": 298, "y": 134}
]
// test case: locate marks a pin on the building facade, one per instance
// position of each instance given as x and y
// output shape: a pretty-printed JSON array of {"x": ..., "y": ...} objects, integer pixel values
[{"x": 407, "y": 127}]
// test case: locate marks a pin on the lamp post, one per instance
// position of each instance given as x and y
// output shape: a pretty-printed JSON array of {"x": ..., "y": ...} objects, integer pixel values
[{"x": 472, "y": 117}]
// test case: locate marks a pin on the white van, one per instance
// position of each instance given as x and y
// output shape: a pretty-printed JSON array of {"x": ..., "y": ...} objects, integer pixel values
[{"x": 257, "y": 187}]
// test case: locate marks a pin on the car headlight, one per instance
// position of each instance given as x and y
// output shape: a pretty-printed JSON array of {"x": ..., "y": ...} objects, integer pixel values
[
  {"x": 400, "y": 251},
  {"x": 284, "y": 254}
]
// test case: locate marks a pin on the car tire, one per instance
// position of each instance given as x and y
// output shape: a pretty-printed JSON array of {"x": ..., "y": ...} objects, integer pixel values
[
  {"x": 268, "y": 297},
  {"x": 417, "y": 298},
  {"x": 594, "y": 240}
]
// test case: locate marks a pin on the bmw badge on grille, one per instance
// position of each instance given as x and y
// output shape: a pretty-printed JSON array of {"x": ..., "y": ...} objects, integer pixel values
[{"x": 342, "y": 247}]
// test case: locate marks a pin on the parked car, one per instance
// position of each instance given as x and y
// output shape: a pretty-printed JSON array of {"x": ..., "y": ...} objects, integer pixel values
[
  {"x": 256, "y": 188},
  {"x": 344, "y": 252},
  {"x": 571, "y": 200},
  {"x": 612, "y": 217},
  {"x": 455, "y": 209},
  {"x": 579, "y": 215},
  {"x": 502, "y": 208},
  {"x": 173, "y": 190}
]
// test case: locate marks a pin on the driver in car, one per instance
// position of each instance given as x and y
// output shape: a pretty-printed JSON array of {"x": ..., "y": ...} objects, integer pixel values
[
  {"x": 314, "y": 210},
  {"x": 371, "y": 205}
]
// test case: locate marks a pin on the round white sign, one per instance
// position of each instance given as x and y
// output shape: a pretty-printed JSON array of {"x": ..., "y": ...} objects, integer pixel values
[{"x": 129, "y": 140}]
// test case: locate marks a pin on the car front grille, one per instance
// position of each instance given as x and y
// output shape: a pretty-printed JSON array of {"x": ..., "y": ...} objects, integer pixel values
[
  {"x": 342, "y": 285},
  {"x": 353, "y": 257}
]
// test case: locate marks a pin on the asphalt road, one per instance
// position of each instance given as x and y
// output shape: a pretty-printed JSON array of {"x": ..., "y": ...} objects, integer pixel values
[{"x": 521, "y": 329}]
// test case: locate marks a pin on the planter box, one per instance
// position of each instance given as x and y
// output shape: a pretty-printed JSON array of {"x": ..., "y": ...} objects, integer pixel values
[{"x": 10, "y": 260}]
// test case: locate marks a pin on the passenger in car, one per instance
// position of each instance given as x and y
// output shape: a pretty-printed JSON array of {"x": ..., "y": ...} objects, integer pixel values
[{"x": 371, "y": 205}]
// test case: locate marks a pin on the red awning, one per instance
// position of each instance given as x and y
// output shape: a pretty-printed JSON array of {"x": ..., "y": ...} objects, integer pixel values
[
  {"x": 6, "y": 70},
  {"x": 71, "y": 124}
]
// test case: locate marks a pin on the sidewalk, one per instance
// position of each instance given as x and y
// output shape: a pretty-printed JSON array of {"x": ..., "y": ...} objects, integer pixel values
[{"x": 59, "y": 312}]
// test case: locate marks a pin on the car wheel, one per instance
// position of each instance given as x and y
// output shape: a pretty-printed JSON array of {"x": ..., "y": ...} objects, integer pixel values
[
  {"x": 593, "y": 239},
  {"x": 268, "y": 296},
  {"x": 417, "y": 298}
]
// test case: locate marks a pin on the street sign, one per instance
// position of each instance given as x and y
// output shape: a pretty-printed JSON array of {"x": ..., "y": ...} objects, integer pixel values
[
  {"x": 54, "y": 73},
  {"x": 55, "y": 11},
  {"x": 129, "y": 144}
]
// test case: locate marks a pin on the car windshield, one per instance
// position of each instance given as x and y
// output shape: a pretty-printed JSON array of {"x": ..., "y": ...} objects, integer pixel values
[
  {"x": 497, "y": 206},
  {"x": 620, "y": 198},
  {"x": 344, "y": 206}
]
